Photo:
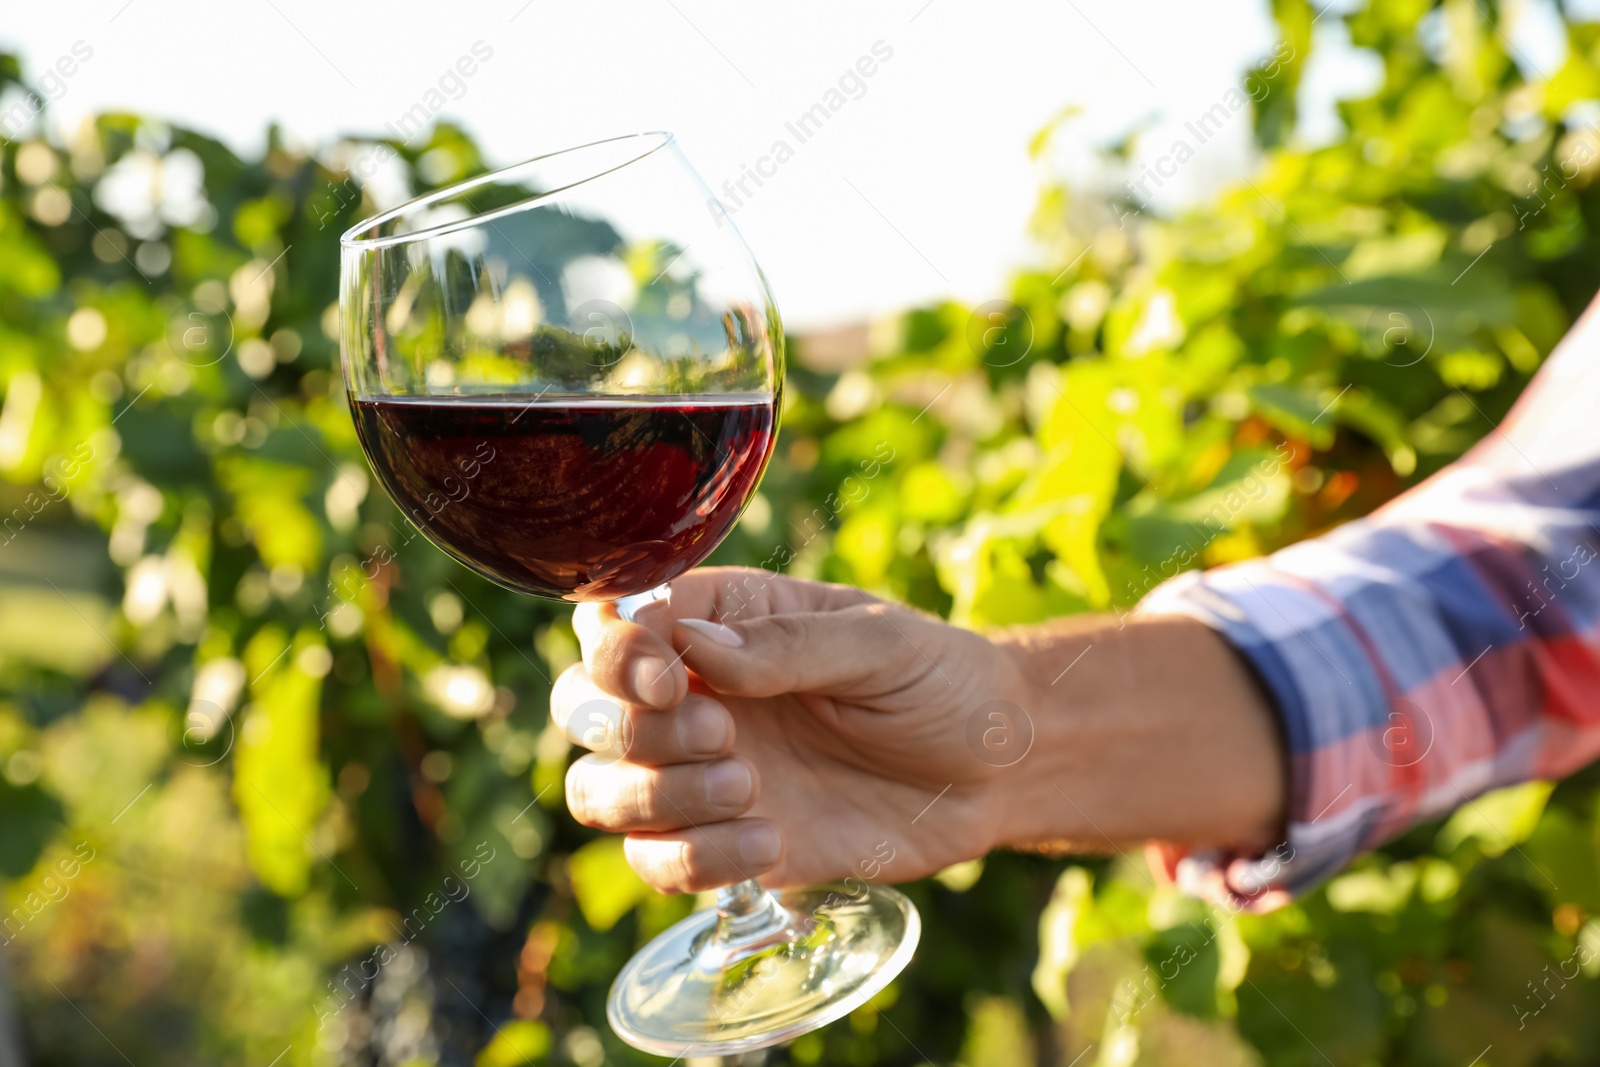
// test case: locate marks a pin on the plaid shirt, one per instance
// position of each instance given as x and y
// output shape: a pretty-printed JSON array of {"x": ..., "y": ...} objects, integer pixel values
[{"x": 1446, "y": 645}]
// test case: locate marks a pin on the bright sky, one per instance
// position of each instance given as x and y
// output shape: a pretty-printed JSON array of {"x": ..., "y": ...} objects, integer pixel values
[{"x": 919, "y": 185}]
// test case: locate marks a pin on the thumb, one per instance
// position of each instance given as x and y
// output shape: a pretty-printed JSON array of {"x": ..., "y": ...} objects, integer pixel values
[{"x": 862, "y": 652}]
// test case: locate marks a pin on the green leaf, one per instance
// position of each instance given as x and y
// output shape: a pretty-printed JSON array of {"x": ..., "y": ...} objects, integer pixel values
[
  {"x": 280, "y": 785},
  {"x": 1564, "y": 849},
  {"x": 606, "y": 887},
  {"x": 998, "y": 1033},
  {"x": 1497, "y": 820},
  {"x": 1059, "y": 945},
  {"x": 1294, "y": 411},
  {"x": 931, "y": 493},
  {"x": 517, "y": 1043},
  {"x": 1186, "y": 964},
  {"x": 1378, "y": 890},
  {"x": 29, "y": 818}
]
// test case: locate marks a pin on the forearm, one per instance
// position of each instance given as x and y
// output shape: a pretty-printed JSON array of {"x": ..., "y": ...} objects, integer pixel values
[{"x": 1151, "y": 729}]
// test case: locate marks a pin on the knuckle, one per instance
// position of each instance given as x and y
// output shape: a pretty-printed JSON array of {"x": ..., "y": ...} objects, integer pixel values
[
  {"x": 898, "y": 633},
  {"x": 642, "y": 792},
  {"x": 618, "y": 646},
  {"x": 618, "y": 798},
  {"x": 640, "y": 738},
  {"x": 661, "y": 862},
  {"x": 765, "y": 675},
  {"x": 566, "y": 694},
  {"x": 787, "y": 628},
  {"x": 886, "y": 622},
  {"x": 579, "y": 795},
  {"x": 672, "y": 865},
  {"x": 689, "y": 867},
  {"x": 626, "y": 741}
]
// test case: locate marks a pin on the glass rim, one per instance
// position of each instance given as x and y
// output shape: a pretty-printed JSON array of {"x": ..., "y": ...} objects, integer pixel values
[{"x": 350, "y": 239}]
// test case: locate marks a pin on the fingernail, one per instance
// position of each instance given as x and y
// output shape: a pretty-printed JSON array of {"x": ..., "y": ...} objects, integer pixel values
[
  {"x": 652, "y": 681},
  {"x": 702, "y": 728},
  {"x": 722, "y": 635},
  {"x": 759, "y": 846},
  {"x": 728, "y": 784}
]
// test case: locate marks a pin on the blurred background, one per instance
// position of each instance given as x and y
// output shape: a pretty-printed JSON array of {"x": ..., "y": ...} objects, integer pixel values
[{"x": 271, "y": 796}]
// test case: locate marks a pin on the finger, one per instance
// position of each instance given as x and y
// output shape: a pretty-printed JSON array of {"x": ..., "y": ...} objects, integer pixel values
[
  {"x": 628, "y": 660},
  {"x": 705, "y": 857},
  {"x": 622, "y": 797},
  {"x": 636, "y": 661},
  {"x": 864, "y": 652},
  {"x": 698, "y": 729},
  {"x": 725, "y": 594}
]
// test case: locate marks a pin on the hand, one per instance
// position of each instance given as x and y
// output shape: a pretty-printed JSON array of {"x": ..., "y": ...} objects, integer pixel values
[{"x": 788, "y": 730}]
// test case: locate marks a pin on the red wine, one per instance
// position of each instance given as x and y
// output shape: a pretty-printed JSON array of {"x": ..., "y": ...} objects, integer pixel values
[{"x": 582, "y": 498}]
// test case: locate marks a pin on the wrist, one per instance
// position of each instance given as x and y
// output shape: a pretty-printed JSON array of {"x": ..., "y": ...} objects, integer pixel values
[
  {"x": 1061, "y": 688},
  {"x": 1142, "y": 729}
]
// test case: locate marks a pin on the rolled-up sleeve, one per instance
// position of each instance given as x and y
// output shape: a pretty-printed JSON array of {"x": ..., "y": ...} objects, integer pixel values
[{"x": 1446, "y": 645}]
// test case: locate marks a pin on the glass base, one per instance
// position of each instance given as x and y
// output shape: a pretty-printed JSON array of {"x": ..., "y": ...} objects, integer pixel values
[{"x": 722, "y": 982}]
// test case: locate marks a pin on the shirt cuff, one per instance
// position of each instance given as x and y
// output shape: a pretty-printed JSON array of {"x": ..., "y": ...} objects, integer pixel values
[{"x": 1268, "y": 618}]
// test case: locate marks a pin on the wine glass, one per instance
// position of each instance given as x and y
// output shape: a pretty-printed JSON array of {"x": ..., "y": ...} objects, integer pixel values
[{"x": 568, "y": 374}]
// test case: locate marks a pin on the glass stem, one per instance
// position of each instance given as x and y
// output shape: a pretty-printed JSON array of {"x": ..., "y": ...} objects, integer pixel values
[
  {"x": 629, "y": 606},
  {"x": 745, "y": 910}
]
